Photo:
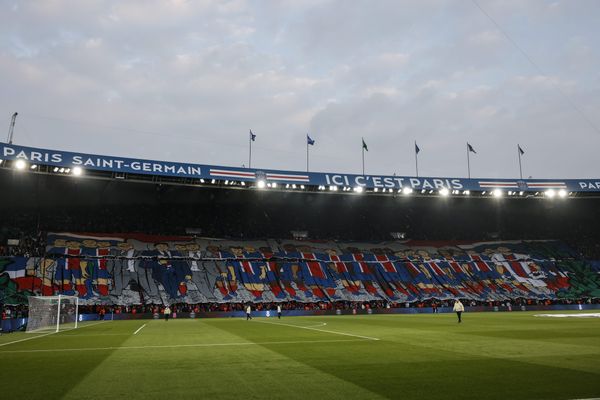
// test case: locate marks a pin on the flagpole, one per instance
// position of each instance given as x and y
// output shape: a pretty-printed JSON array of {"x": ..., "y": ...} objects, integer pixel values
[
  {"x": 468, "y": 162},
  {"x": 416, "y": 160},
  {"x": 307, "y": 154},
  {"x": 363, "y": 157},
  {"x": 520, "y": 167},
  {"x": 250, "y": 151}
]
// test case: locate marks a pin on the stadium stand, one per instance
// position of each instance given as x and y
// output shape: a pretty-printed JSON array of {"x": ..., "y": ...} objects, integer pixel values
[{"x": 125, "y": 244}]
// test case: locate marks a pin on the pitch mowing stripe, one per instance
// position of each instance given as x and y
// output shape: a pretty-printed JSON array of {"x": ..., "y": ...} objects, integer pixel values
[
  {"x": 320, "y": 330},
  {"x": 46, "y": 334},
  {"x": 139, "y": 329},
  {"x": 175, "y": 346}
]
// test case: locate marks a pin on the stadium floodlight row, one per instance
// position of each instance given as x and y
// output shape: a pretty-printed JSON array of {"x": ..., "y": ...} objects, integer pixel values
[{"x": 45, "y": 161}]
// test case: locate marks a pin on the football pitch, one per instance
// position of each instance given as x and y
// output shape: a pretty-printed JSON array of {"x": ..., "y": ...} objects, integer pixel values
[{"x": 490, "y": 355}]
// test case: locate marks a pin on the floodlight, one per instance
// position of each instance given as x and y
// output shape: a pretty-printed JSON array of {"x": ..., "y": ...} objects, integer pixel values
[{"x": 20, "y": 164}]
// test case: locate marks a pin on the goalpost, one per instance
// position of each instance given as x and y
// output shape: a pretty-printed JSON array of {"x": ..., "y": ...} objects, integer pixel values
[{"x": 52, "y": 313}]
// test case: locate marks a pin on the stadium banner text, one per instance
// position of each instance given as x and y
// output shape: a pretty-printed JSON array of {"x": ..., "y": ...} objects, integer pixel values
[{"x": 199, "y": 171}]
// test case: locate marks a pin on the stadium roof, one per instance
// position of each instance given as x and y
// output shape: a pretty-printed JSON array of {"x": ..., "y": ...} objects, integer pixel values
[{"x": 48, "y": 161}]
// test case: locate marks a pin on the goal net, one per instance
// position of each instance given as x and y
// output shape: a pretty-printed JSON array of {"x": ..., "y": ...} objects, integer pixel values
[{"x": 52, "y": 313}]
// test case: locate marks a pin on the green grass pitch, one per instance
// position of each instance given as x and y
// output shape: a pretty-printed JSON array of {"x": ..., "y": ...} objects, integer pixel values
[{"x": 488, "y": 356}]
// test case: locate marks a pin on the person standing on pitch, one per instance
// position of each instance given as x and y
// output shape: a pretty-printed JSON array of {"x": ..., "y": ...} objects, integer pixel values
[
  {"x": 167, "y": 313},
  {"x": 278, "y": 311},
  {"x": 458, "y": 309},
  {"x": 248, "y": 312}
]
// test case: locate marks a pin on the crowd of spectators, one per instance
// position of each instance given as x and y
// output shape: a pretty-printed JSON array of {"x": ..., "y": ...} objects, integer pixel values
[
  {"x": 21, "y": 311},
  {"x": 97, "y": 206},
  {"x": 29, "y": 243},
  {"x": 18, "y": 311}
]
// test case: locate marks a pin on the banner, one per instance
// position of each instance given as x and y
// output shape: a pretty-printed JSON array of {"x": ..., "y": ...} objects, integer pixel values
[
  {"x": 208, "y": 172},
  {"x": 130, "y": 269}
]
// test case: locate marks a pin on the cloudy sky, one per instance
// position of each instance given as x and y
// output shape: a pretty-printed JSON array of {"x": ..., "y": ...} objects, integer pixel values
[{"x": 185, "y": 81}]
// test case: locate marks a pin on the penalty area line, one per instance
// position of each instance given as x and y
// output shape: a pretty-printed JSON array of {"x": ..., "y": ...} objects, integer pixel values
[
  {"x": 176, "y": 346},
  {"x": 139, "y": 329},
  {"x": 319, "y": 330}
]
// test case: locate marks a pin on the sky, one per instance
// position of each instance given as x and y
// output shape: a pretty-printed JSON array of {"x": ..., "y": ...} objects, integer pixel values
[{"x": 186, "y": 80}]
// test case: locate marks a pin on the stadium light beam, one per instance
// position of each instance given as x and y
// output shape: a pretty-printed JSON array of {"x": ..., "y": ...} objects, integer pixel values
[
  {"x": 407, "y": 190},
  {"x": 359, "y": 189},
  {"x": 497, "y": 193},
  {"x": 77, "y": 171},
  {"x": 261, "y": 184},
  {"x": 550, "y": 193},
  {"x": 562, "y": 193},
  {"x": 444, "y": 192}
]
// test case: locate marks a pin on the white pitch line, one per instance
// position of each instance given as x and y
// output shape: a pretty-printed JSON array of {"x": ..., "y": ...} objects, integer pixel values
[
  {"x": 320, "y": 330},
  {"x": 314, "y": 326},
  {"x": 29, "y": 338},
  {"x": 45, "y": 334},
  {"x": 139, "y": 329},
  {"x": 177, "y": 346},
  {"x": 591, "y": 398}
]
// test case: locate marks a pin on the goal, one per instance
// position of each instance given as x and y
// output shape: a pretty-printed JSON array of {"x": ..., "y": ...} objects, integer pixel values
[{"x": 52, "y": 313}]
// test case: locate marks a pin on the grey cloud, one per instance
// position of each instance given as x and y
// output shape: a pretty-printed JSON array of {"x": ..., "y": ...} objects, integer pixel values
[{"x": 186, "y": 80}]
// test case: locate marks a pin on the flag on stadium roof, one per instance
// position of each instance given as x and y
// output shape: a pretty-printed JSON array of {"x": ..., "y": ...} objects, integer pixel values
[
  {"x": 417, "y": 149},
  {"x": 520, "y": 149},
  {"x": 309, "y": 140},
  {"x": 471, "y": 149},
  {"x": 252, "y": 136},
  {"x": 364, "y": 145}
]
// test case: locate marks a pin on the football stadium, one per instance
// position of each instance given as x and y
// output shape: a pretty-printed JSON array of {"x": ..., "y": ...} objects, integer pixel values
[
  {"x": 300, "y": 199},
  {"x": 215, "y": 282}
]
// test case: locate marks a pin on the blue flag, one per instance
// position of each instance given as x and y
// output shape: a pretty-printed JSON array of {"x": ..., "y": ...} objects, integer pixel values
[
  {"x": 417, "y": 149},
  {"x": 310, "y": 141},
  {"x": 471, "y": 149},
  {"x": 252, "y": 136}
]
